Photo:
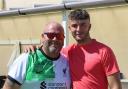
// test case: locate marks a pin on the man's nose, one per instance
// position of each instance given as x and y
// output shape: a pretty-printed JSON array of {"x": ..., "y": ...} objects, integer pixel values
[
  {"x": 78, "y": 28},
  {"x": 54, "y": 38}
]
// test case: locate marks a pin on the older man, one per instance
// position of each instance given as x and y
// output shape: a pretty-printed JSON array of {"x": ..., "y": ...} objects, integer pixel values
[{"x": 46, "y": 68}]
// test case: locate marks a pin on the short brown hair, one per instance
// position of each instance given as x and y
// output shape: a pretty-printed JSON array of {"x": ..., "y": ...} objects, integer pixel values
[{"x": 78, "y": 14}]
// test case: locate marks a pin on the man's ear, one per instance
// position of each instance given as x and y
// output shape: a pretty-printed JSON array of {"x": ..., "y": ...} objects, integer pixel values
[
  {"x": 42, "y": 38},
  {"x": 69, "y": 27},
  {"x": 42, "y": 35},
  {"x": 90, "y": 27}
]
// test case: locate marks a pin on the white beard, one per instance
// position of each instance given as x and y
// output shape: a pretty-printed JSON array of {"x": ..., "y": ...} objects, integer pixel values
[
  {"x": 53, "y": 50},
  {"x": 51, "y": 47}
]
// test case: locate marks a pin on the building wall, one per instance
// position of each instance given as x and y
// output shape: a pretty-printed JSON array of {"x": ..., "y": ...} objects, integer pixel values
[
  {"x": 28, "y": 3},
  {"x": 1, "y": 5}
]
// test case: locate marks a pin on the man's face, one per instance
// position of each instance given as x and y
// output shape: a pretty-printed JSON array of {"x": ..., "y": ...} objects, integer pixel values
[
  {"x": 80, "y": 29},
  {"x": 53, "y": 40}
]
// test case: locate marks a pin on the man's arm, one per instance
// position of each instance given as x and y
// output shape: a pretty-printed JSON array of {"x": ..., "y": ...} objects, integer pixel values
[
  {"x": 10, "y": 85},
  {"x": 114, "y": 81}
]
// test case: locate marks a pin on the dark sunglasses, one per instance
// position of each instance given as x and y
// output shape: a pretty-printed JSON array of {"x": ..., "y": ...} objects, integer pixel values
[{"x": 58, "y": 36}]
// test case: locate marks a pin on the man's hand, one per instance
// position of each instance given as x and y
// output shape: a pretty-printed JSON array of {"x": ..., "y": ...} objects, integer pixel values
[{"x": 30, "y": 48}]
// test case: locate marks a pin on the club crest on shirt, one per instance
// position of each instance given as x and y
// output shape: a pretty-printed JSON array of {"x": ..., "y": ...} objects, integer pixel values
[{"x": 64, "y": 72}]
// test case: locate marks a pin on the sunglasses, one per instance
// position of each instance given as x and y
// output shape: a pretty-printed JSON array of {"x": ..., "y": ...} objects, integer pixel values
[{"x": 58, "y": 36}]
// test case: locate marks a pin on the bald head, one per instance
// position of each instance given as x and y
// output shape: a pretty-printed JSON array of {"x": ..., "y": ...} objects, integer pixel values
[
  {"x": 52, "y": 39},
  {"x": 53, "y": 27}
]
